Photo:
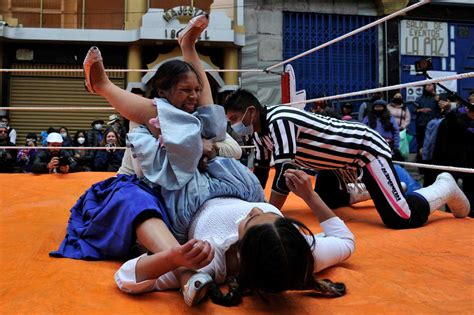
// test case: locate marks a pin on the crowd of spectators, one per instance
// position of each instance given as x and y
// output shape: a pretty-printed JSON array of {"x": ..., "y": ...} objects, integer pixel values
[
  {"x": 52, "y": 160},
  {"x": 393, "y": 118},
  {"x": 443, "y": 128}
]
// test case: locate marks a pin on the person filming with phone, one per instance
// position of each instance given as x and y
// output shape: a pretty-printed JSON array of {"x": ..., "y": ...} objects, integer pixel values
[
  {"x": 110, "y": 159},
  {"x": 54, "y": 160}
]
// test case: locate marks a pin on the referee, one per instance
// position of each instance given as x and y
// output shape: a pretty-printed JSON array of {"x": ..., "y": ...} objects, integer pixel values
[{"x": 342, "y": 152}]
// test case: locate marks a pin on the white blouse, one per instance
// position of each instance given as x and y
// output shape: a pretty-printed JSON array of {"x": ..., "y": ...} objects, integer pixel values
[{"x": 217, "y": 222}]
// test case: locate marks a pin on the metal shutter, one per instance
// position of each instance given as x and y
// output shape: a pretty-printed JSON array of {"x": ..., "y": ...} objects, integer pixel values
[
  {"x": 347, "y": 66},
  {"x": 54, "y": 89}
]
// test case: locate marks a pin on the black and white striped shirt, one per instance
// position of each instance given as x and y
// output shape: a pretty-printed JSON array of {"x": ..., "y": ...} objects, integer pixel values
[{"x": 314, "y": 141}]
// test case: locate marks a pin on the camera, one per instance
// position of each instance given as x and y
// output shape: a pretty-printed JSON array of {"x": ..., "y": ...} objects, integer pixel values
[
  {"x": 424, "y": 65},
  {"x": 63, "y": 161}
]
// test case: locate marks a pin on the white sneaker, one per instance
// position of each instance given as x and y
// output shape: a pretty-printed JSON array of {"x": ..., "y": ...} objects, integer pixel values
[
  {"x": 457, "y": 200},
  {"x": 444, "y": 191},
  {"x": 196, "y": 288}
]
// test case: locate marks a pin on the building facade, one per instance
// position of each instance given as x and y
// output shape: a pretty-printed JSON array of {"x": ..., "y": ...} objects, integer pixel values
[
  {"x": 244, "y": 34},
  {"x": 442, "y": 31},
  {"x": 137, "y": 34},
  {"x": 278, "y": 30}
]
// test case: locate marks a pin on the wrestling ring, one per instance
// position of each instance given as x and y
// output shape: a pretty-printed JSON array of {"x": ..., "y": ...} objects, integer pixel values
[{"x": 424, "y": 270}]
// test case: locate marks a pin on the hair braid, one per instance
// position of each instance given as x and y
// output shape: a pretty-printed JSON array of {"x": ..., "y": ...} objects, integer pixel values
[
  {"x": 232, "y": 298},
  {"x": 326, "y": 287}
]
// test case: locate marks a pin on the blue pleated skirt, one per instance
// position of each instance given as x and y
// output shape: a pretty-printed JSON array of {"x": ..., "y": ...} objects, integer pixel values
[{"x": 101, "y": 225}]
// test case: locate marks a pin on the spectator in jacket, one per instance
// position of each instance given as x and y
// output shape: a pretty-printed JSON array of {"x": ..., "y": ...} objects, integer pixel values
[
  {"x": 11, "y": 132},
  {"x": 346, "y": 112},
  {"x": 54, "y": 160},
  {"x": 115, "y": 123},
  {"x": 399, "y": 111},
  {"x": 64, "y": 132},
  {"x": 7, "y": 156},
  {"x": 365, "y": 106},
  {"x": 380, "y": 120},
  {"x": 426, "y": 110},
  {"x": 94, "y": 135},
  {"x": 83, "y": 157},
  {"x": 110, "y": 159},
  {"x": 455, "y": 147},
  {"x": 25, "y": 157},
  {"x": 321, "y": 108}
]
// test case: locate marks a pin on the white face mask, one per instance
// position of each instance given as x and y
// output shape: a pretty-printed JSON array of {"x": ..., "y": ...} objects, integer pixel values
[
  {"x": 98, "y": 126},
  {"x": 64, "y": 134},
  {"x": 453, "y": 105},
  {"x": 241, "y": 129},
  {"x": 81, "y": 140}
]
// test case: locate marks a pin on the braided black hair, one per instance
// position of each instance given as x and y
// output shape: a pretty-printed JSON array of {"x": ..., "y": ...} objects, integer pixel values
[
  {"x": 275, "y": 258},
  {"x": 232, "y": 298}
]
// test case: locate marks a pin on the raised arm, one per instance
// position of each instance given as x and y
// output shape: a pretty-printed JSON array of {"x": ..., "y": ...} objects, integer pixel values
[
  {"x": 187, "y": 39},
  {"x": 300, "y": 184},
  {"x": 129, "y": 105},
  {"x": 338, "y": 242}
]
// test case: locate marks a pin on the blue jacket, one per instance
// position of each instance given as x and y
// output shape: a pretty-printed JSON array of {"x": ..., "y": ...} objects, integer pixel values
[
  {"x": 426, "y": 101},
  {"x": 392, "y": 136},
  {"x": 431, "y": 133},
  {"x": 108, "y": 161}
]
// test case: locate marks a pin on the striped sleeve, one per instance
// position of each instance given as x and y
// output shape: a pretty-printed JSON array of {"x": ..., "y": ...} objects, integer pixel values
[
  {"x": 283, "y": 133},
  {"x": 262, "y": 154}
]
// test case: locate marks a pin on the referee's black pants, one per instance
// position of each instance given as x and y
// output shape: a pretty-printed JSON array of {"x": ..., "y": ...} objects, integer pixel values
[{"x": 397, "y": 210}]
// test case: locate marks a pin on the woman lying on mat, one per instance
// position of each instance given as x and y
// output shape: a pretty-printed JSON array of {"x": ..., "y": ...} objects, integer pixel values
[{"x": 256, "y": 249}]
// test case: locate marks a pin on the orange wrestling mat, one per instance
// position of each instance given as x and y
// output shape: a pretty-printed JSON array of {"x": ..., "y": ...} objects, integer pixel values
[{"x": 425, "y": 270}]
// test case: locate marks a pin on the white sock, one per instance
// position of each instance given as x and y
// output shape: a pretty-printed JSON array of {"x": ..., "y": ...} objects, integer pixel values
[{"x": 167, "y": 281}]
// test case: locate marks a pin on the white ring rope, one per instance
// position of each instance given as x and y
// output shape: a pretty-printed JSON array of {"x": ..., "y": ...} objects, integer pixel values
[
  {"x": 419, "y": 165},
  {"x": 121, "y": 70},
  {"x": 54, "y": 109},
  {"x": 387, "y": 88},
  {"x": 358, "y": 30},
  {"x": 381, "y": 89},
  {"x": 438, "y": 167},
  {"x": 60, "y": 148}
]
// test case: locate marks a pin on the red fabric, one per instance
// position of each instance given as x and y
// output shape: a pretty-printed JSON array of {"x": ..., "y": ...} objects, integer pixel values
[
  {"x": 285, "y": 87},
  {"x": 424, "y": 270}
]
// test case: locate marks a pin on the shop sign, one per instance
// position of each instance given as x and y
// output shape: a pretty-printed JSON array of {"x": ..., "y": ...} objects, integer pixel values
[
  {"x": 184, "y": 10},
  {"x": 424, "y": 38},
  {"x": 173, "y": 34}
]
